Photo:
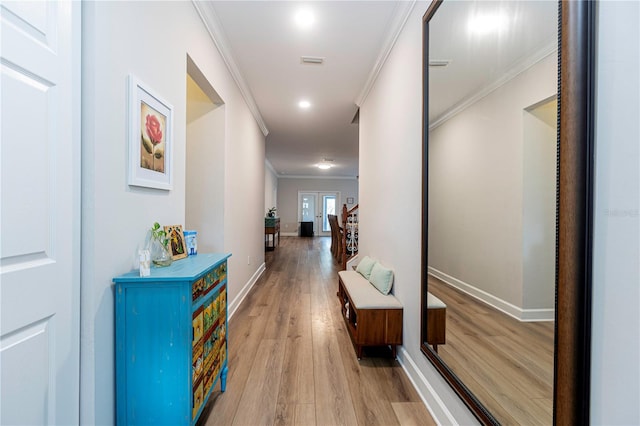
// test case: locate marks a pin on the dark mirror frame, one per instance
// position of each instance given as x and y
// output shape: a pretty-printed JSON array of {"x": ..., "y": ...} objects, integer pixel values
[{"x": 574, "y": 224}]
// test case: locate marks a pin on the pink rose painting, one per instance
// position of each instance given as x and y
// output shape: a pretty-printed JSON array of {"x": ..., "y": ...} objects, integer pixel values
[{"x": 153, "y": 137}]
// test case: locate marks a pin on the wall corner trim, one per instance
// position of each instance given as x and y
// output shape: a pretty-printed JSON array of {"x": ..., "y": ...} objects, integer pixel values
[
  {"x": 214, "y": 28},
  {"x": 237, "y": 301},
  {"x": 401, "y": 15},
  {"x": 270, "y": 167}
]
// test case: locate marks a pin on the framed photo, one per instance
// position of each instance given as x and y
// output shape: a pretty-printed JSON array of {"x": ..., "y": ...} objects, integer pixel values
[
  {"x": 150, "y": 138},
  {"x": 349, "y": 200},
  {"x": 176, "y": 241}
]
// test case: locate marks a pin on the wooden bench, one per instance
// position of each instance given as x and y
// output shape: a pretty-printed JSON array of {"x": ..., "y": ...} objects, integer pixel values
[
  {"x": 372, "y": 318},
  {"x": 436, "y": 321}
]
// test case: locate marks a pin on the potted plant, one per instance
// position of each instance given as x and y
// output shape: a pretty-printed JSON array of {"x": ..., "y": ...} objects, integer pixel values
[{"x": 272, "y": 212}]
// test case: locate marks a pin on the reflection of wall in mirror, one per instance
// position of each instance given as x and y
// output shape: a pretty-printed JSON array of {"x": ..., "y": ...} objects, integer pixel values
[
  {"x": 539, "y": 205},
  {"x": 477, "y": 228}
]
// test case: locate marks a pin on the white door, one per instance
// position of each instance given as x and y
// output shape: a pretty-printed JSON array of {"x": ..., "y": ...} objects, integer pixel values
[
  {"x": 40, "y": 212},
  {"x": 314, "y": 207},
  {"x": 328, "y": 205},
  {"x": 307, "y": 209}
]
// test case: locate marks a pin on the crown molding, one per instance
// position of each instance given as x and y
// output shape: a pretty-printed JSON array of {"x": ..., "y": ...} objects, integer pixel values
[
  {"x": 401, "y": 15},
  {"x": 214, "y": 28},
  {"x": 518, "y": 69}
]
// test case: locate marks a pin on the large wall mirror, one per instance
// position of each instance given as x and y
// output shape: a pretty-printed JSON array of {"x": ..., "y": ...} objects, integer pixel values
[{"x": 507, "y": 171}]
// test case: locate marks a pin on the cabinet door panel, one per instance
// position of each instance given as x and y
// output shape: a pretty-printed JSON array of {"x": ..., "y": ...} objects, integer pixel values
[{"x": 158, "y": 367}]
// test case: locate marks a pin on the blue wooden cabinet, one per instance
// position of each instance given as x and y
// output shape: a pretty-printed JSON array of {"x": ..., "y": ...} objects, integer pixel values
[{"x": 171, "y": 340}]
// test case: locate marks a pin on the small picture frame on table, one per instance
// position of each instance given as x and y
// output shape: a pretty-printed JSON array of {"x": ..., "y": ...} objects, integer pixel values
[{"x": 177, "y": 244}]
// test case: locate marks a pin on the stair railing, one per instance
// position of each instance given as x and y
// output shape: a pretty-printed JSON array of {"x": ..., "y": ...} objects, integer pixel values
[{"x": 349, "y": 238}]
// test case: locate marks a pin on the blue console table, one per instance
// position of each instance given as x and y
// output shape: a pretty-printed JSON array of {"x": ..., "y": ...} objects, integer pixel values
[{"x": 171, "y": 340}]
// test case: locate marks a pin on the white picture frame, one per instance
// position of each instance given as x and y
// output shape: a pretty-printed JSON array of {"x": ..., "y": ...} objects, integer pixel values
[{"x": 150, "y": 138}]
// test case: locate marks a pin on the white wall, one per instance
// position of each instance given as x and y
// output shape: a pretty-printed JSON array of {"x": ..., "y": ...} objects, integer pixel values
[
  {"x": 270, "y": 187},
  {"x": 615, "y": 371},
  {"x": 288, "y": 197},
  {"x": 205, "y": 179},
  {"x": 121, "y": 38},
  {"x": 539, "y": 208},
  {"x": 390, "y": 199},
  {"x": 476, "y": 171}
]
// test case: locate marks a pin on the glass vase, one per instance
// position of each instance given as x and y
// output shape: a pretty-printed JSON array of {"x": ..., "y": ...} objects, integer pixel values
[{"x": 160, "y": 255}]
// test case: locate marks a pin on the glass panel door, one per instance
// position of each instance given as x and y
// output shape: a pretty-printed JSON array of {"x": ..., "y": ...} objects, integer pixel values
[
  {"x": 308, "y": 207},
  {"x": 307, "y": 212},
  {"x": 328, "y": 207},
  {"x": 314, "y": 207}
]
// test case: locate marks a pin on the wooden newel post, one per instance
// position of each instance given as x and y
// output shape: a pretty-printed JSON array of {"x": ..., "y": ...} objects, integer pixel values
[{"x": 343, "y": 236}]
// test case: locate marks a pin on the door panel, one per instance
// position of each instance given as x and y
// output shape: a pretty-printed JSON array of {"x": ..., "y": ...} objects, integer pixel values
[
  {"x": 307, "y": 208},
  {"x": 40, "y": 212},
  {"x": 27, "y": 353},
  {"x": 329, "y": 205}
]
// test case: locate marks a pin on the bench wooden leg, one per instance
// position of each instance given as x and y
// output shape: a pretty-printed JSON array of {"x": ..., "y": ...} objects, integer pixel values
[
  {"x": 359, "y": 351},
  {"x": 394, "y": 351}
]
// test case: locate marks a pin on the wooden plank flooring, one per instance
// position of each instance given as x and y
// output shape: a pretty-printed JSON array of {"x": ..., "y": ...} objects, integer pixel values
[
  {"x": 506, "y": 363},
  {"x": 291, "y": 361}
]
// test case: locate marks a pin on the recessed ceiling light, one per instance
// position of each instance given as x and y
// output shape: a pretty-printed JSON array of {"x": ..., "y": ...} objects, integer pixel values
[
  {"x": 304, "y": 18},
  {"x": 325, "y": 163},
  {"x": 304, "y": 104}
]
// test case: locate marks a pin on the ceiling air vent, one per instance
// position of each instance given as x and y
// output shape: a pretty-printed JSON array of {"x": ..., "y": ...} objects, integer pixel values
[
  {"x": 311, "y": 60},
  {"x": 440, "y": 63}
]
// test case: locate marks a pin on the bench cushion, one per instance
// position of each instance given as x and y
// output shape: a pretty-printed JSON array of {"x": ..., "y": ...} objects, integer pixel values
[
  {"x": 381, "y": 278},
  {"x": 364, "y": 295},
  {"x": 434, "y": 303},
  {"x": 365, "y": 266}
]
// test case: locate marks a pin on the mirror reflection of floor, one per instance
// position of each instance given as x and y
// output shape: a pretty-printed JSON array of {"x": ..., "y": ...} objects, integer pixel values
[{"x": 506, "y": 363}]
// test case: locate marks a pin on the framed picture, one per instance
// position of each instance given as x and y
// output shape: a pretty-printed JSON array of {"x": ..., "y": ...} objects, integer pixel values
[
  {"x": 177, "y": 245},
  {"x": 150, "y": 138},
  {"x": 349, "y": 200}
]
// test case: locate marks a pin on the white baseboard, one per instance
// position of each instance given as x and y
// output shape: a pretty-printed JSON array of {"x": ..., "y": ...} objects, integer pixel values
[
  {"x": 237, "y": 301},
  {"x": 430, "y": 398},
  {"x": 524, "y": 315}
]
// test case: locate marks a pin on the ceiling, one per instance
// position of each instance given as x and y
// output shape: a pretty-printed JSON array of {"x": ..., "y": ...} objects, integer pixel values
[
  {"x": 266, "y": 44},
  {"x": 262, "y": 46}
]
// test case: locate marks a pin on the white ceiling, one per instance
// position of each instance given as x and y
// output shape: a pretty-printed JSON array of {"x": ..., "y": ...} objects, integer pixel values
[
  {"x": 263, "y": 46},
  {"x": 267, "y": 45}
]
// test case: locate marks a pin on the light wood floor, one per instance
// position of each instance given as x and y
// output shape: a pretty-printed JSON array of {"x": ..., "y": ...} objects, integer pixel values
[
  {"x": 290, "y": 358},
  {"x": 506, "y": 363}
]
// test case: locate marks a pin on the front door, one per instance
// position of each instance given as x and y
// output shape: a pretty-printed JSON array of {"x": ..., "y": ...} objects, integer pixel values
[
  {"x": 40, "y": 213},
  {"x": 314, "y": 207},
  {"x": 329, "y": 205},
  {"x": 307, "y": 211}
]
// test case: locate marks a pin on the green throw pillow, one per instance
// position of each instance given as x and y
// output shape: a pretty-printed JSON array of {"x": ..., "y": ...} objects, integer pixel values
[
  {"x": 365, "y": 266},
  {"x": 381, "y": 278}
]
